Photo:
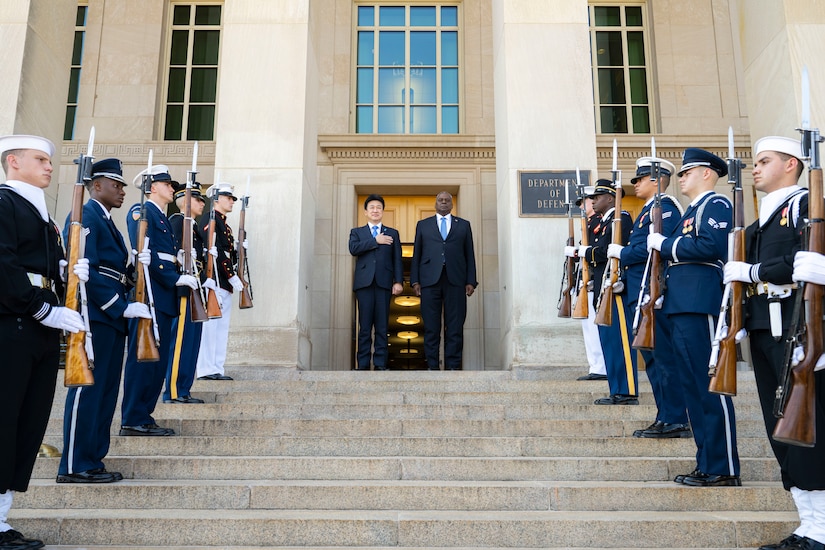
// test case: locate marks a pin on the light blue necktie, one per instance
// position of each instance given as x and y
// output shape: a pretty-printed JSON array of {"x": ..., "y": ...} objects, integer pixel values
[
  {"x": 374, "y": 231},
  {"x": 444, "y": 228}
]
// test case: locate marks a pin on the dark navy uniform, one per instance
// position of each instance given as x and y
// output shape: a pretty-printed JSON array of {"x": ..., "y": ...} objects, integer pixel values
[
  {"x": 87, "y": 419},
  {"x": 697, "y": 249}
]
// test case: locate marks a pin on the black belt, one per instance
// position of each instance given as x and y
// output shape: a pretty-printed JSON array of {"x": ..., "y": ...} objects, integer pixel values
[{"x": 113, "y": 274}]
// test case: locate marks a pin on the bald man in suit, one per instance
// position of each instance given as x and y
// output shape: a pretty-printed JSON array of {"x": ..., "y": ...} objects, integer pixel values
[{"x": 443, "y": 273}]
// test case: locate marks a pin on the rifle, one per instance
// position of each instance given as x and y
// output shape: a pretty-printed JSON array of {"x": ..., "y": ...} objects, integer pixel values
[
  {"x": 797, "y": 425},
  {"x": 581, "y": 309},
  {"x": 148, "y": 339},
  {"x": 213, "y": 308},
  {"x": 796, "y": 332},
  {"x": 722, "y": 365},
  {"x": 610, "y": 281},
  {"x": 644, "y": 323},
  {"x": 567, "y": 279},
  {"x": 197, "y": 309},
  {"x": 245, "y": 301},
  {"x": 79, "y": 351}
]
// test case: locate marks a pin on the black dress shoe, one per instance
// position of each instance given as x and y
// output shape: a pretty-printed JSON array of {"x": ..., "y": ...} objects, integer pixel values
[
  {"x": 706, "y": 480},
  {"x": 618, "y": 400},
  {"x": 787, "y": 543},
  {"x": 657, "y": 425},
  {"x": 146, "y": 429},
  {"x": 809, "y": 544},
  {"x": 695, "y": 473},
  {"x": 117, "y": 475},
  {"x": 593, "y": 376},
  {"x": 88, "y": 476},
  {"x": 184, "y": 399},
  {"x": 667, "y": 431},
  {"x": 14, "y": 540},
  {"x": 215, "y": 376}
]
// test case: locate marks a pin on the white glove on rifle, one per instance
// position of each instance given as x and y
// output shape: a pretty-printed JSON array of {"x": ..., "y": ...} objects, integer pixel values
[
  {"x": 187, "y": 280},
  {"x": 741, "y": 272},
  {"x": 210, "y": 284},
  {"x": 213, "y": 251},
  {"x": 245, "y": 244},
  {"x": 809, "y": 267},
  {"x": 583, "y": 251},
  {"x": 137, "y": 310},
  {"x": 192, "y": 252},
  {"x": 81, "y": 269},
  {"x": 63, "y": 318},
  {"x": 799, "y": 355},
  {"x": 570, "y": 251},
  {"x": 654, "y": 241},
  {"x": 614, "y": 251},
  {"x": 62, "y": 269},
  {"x": 739, "y": 335},
  {"x": 237, "y": 284},
  {"x": 143, "y": 257}
]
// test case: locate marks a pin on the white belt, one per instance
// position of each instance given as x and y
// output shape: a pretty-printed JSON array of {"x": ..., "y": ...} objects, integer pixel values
[
  {"x": 774, "y": 291},
  {"x": 167, "y": 257},
  {"x": 38, "y": 280}
]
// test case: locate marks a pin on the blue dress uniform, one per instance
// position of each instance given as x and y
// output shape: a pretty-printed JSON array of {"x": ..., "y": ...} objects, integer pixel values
[
  {"x": 87, "y": 419},
  {"x": 663, "y": 378},
  {"x": 697, "y": 249},
  {"x": 143, "y": 381},
  {"x": 186, "y": 341}
]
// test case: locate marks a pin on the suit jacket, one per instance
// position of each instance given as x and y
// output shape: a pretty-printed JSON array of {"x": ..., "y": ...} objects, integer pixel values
[
  {"x": 431, "y": 253},
  {"x": 162, "y": 271},
  {"x": 374, "y": 262}
]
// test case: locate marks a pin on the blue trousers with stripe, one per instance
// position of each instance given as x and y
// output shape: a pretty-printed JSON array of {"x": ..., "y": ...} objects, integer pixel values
[
  {"x": 619, "y": 358},
  {"x": 184, "y": 347},
  {"x": 664, "y": 377}
]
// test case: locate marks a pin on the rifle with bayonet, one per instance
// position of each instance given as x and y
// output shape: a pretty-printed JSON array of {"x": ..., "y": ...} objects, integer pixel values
[
  {"x": 213, "y": 307},
  {"x": 581, "y": 309},
  {"x": 610, "y": 281},
  {"x": 568, "y": 275},
  {"x": 245, "y": 300},
  {"x": 148, "y": 336},
  {"x": 644, "y": 322},
  {"x": 197, "y": 309}
]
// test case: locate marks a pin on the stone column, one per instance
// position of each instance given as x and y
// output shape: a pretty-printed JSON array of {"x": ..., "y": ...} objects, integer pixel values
[
  {"x": 36, "y": 37},
  {"x": 267, "y": 105},
  {"x": 541, "y": 58}
]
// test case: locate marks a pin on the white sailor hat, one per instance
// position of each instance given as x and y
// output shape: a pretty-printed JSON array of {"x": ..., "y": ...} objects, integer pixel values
[
  {"x": 158, "y": 172},
  {"x": 780, "y": 144},
  {"x": 644, "y": 166},
  {"x": 14, "y": 142},
  {"x": 222, "y": 188}
]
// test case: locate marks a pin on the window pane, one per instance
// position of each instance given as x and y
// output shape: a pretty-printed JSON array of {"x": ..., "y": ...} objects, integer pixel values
[
  {"x": 366, "y": 55},
  {"x": 449, "y": 48},
  {"x": 638, "y": 86},
  {"x": 449, "y": 85},
  {"x": 449, "y": 120},
  {"x": 422, "y": 48},
  {"x": 611, "y": 86},
  {"x": 205, "y": 48},
  {"x": 366, "y": 16},
  {"x": 390, "y": 86},
  {"x": 201, "y": 122},
  {"x": 607, "y": 16},
  {"x": 614, "y": 120},
  {"x": 174, "y": 122},
  {"x": 181, "y": 15},
  {"x": 449, "y": 16},
  {"x": 204, "y": 85},
  {"x": 422, "y": 16},
  {"x": 363, "y": 120},
  {"x": 633, "y": 16},
  {"x": 77, "y": 50},
  {"x": 391, "y": 17},
  {"x": 422, "y": 120},
  {"x": 635, "y": 48},
  {"x": 422, "y": 86},
  {"x": 74, "y": 85},
  {"x": 180, "y": 46},
  {"x": 391, "y": 48},
  {"x": 364, "y": 86},
  {"x": 177, "y": 85},
  {"x": 641, "y": 120},
  {"x": 390, "y": 120},
  {"x": 609, "y": 49},
  {"x": 68, "y": 124},
  {"x": 208, "y": 15},
  {"x": 80, "y": 17}
]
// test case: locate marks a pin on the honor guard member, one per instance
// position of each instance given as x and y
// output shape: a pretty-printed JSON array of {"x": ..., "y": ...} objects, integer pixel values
[
  {"x": 215, "y": 338},
  {"x": 771, "y": 243},
  {"x": 186, "y": 341},
  {"x": 697, "y": 249},
  {"x": 671, "y": 417},
  {"x": 619, "y": 359},
  {"x": 30, "y": 319},
  {"x": 87, "y": 418},
  {"x": 143, "y": 381},
  {"x": 379, "y": 274}
]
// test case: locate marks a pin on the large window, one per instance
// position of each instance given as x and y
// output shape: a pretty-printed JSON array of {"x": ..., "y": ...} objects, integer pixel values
[
  {"x": 74, "y": 78},
  {"x": 192, "y": 80},
  {"x": 620, "y": 77},
  {"x": 407, "y": 74}
]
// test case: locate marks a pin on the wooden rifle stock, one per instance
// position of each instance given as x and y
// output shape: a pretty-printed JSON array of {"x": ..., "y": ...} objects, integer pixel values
[
  {"x": 147, "y": 346},
  {"x": 197, "y": 309},
  {"x": 797, "y": 426},
  {"x": 213, "y": 308},
  {"x": 604, "y": 313},
  {"x": 568, "y": 276},
  {"x": 245, "y": 301},
  {"x": 78, "y": 371},
  {"x": 723, "y": 374},
  {"x": 645, "y": 337},
  {"x": 581, "y": 309}
]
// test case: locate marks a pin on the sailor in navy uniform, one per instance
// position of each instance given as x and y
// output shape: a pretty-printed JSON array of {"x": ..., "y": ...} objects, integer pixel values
[
  {"x": 696, "y": 251},
  {"x": 142, "y": 382},
  {"x": 87, "y": 419},
  {"x": 379, "y": 274},
  {"x": 180, "y": 374},
  {"x": 771, "y": 243},
  {"x": 671, "y": 418},
  {"x": 619, "y": 359},
  {"x": 30, "y": 318}
]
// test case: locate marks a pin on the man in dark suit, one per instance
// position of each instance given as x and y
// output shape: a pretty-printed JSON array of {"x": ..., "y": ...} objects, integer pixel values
[
  {"x": 443, "y": 273},
  {"x": 378, "y": 274}
]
